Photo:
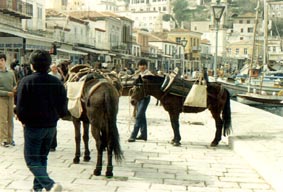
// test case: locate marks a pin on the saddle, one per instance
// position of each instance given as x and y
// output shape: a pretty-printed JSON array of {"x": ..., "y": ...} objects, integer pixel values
[
  {"x": 176, "y": 86},
  {"x": 81, "y": 76}
]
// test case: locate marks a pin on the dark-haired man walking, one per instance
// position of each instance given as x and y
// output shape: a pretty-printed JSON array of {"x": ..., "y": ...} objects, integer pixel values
[{"x": 41, "y": 101}]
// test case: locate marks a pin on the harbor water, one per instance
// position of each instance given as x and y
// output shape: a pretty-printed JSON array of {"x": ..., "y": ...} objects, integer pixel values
[{"x": 272, "y": 109}]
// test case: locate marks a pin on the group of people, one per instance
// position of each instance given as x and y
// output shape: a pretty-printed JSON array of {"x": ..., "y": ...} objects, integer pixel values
[{"x": 41, "y": 102}]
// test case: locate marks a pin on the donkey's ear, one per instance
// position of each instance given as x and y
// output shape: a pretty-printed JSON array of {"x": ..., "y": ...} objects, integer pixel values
[
  {"x": 140, "y": 78},
  {"x": 139, "y": 81}
]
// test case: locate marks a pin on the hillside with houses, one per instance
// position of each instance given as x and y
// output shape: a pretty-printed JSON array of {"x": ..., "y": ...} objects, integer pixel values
[{"x": 168, "y": 33}]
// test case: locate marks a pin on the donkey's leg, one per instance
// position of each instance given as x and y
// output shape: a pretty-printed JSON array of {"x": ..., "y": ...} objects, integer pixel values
[
  {"x": 98, "y": 167},
  {"x": 218, "y": 125},
  {"x": 86, "y": 139},
  {"x": 174, "y": 118},
  {"x": 96, "y": 134},
  {"x": 109, "y": 170},
  {"x": 77, "y": 126}
]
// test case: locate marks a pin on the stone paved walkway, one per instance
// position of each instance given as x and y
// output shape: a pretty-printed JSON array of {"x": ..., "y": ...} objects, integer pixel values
[{"x": 152, "y": 166}]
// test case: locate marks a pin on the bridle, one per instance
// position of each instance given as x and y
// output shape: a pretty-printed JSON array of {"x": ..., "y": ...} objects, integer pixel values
[{"x": 139, "y": 89}]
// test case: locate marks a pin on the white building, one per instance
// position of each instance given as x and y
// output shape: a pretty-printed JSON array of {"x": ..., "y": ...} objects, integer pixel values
[
  {"x": 148, "y": 20},
  {"x": 22, "y": 30},
  {"x": 102, "y": 5},
  {"x": 37, "y": 8},
  {"x": 276, "y": 9},
  {"x": 150, "y": 5}
]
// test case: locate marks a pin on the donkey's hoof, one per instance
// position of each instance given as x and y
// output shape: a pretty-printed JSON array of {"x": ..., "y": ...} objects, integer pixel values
[
  {"x": 76, "y": 160},
  {"x": 97, "y": 172},
  {"x": 213, "y": 144},
  {"x": 87, "y": 158},
  {"x": 176, "y": 144},
  {"x": 109, "y": 174}
]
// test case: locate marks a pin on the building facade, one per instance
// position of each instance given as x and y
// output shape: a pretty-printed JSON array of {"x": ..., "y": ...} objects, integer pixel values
[{"x": 22, "y": 26}]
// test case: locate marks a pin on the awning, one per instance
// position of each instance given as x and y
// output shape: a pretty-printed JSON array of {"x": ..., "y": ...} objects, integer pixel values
[
  {"x": 89, "y": 50},
  {"x": 32, "y": 41},
  {"x": 167, "y": 56},
  {"x": 27, "y": 36},
  {"x": 71, "y": 52}
]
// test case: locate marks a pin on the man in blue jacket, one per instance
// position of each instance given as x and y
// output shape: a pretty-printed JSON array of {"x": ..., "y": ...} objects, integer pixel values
[{"x": 41, "y": 101}]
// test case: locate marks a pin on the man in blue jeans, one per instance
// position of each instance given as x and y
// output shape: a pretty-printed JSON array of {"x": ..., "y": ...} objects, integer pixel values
[
  {"x": 141, "y": 124},
  {"x": 41, "y": 101}
]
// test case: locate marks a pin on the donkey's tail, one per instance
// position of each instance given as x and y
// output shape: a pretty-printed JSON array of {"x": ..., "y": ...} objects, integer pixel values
[
  {"x": 226, "y": 115},
  {"x": 111, "y": 103}
]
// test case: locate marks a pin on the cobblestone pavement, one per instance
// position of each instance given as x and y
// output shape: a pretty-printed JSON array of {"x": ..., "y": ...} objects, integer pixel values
[{"x": 152, "y": 166}]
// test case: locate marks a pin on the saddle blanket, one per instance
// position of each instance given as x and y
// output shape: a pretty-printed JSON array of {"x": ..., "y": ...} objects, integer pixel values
[{"x": 74, "y": 92}]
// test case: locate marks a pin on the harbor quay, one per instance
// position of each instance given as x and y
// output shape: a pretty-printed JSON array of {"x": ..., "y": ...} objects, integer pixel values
[{"x": 249, "y": 160}]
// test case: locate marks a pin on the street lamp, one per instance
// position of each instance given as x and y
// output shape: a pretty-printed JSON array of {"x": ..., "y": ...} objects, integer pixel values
[
  {"x": 183, "y": 42},
  {"x": 217, "y": 13}
]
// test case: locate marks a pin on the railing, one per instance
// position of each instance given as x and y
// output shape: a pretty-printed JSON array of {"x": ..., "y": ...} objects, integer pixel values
[
  {"x": 196, "y": 48},
  {"x": 16, "y": 8}
]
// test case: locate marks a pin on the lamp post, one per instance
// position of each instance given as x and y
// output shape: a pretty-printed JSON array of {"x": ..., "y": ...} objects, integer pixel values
[
  {"x": 183, "y": 42},
  {"x": 217, "y": 13},
  {"x": 174, "y": 52}
]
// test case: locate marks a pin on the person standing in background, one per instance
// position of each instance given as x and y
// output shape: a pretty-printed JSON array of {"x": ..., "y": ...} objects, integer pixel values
[
  {"x": 140, "y": 123},
  {"x": 7, "y": 89},
  {"x": 41, "y": 101},
  {"x": 54, "y": 72}
]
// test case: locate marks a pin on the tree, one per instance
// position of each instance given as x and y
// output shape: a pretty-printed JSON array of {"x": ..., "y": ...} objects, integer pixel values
[
  {"x": 277, "y": 26},
  {"x": 180, "y": 10},
  {"x": 246, "y": 6}
]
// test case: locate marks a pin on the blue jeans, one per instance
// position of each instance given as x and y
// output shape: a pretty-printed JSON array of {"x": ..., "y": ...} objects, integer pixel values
[
  {"x": 141, "y": 123},
  {"x": 36, "y": 149}
]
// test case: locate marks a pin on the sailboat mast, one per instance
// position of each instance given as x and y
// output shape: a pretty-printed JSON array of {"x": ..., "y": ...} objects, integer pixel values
[
  {"x": 254, "y": 45},
  {"x": 265, "y": 47}
]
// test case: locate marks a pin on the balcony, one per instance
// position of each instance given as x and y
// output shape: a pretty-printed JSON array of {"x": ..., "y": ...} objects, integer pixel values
[
  {"x": 16, "y": 8},
  {"x": 120, "y": 47},
  {"x": 196, "y": 48}
]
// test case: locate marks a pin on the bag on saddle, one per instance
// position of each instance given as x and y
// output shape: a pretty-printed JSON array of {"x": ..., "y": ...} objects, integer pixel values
[
  {"x": 74, "y": 92},
  {"x": 197, "y": 97}
]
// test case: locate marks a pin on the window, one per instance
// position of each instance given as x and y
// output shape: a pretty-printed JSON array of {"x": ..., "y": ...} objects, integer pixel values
[
  {"x": 178, "y": 40},
  {"x": 39, "y": 13},
  {"x": 229, "y": 50},
  {"x": 237, "y": 51},
  {"x": 29, "y": 9},
  {"x": 245, "y": 51},
  {"x": 242, "y": 30},
  {"x": 248, "y": 21},
  {"x": 241, "y": 21},
  {"x": 166, "y": 48},
  {"x": 241, "y": 38},
  {"x": 250, "y": 30},
  {"x": 64, "y": 2}
]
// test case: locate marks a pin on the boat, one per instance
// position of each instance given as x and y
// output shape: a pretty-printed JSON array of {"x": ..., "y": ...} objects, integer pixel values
[
  {"x": 256, "y": 83},
  {"x": 259, "y": 99},
  {"x": 236, "y": 87}
]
